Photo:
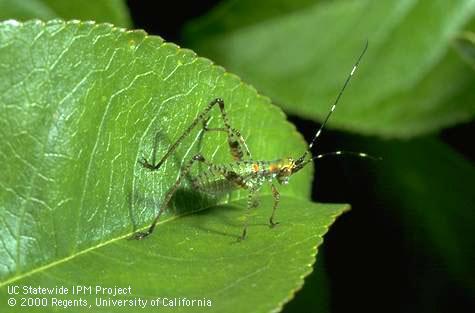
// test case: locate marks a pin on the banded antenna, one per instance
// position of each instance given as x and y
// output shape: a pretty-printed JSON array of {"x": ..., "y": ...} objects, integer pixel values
[{"x": 332, "y": 109}]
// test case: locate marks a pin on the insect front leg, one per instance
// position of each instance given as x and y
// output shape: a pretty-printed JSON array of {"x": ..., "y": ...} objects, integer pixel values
[
  {"x": 276, "y": 195},
  {"x": 168, "y": 196}
]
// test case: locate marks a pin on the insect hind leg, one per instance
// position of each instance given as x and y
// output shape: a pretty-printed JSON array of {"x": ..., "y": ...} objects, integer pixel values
[
  {"x": 201, "y": 117},
  {"x": 168, "y": 196}
]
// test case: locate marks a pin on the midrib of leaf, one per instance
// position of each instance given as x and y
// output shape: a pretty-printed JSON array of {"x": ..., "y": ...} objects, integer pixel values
[
  {"x": 75, "y": 254},
  {"x": 272, "y": 252}
]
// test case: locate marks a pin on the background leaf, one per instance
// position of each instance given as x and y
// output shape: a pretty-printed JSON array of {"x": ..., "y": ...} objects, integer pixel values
[
  {"x": 315, "y": 294},
  {"x": 430, "y": 186},
  {"x": 465, "y": 44},
  {"x": 111, "y": 11},
  {"x": 401, "y": 88},
  {"x": 81, "y": 103}
]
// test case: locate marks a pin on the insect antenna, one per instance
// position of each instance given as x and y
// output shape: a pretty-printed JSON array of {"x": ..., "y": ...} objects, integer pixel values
[
  {"x": 319, "y": 131},
  {"x": 338, "y": 153},
  {"x": 351, "y": 153}
]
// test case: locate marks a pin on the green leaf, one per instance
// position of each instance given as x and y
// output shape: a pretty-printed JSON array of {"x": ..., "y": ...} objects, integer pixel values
[
  {"x": 111, "y": 11},
  {"x": 244, "y": 14},
  {"x": 81, "y": 103},
  {"x": 197, "y": 257},
  {"x": 301, "y": 59},
  {"x": 465, "y": 45}
]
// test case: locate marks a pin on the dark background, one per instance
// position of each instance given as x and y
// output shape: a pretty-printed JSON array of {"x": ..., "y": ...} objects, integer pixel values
[{"x": 371, "y": 261}]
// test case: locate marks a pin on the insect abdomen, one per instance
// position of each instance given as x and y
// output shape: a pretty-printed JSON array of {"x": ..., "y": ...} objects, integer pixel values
[
  {"x": 217, "y": 179},
  {"x": 217, "y": 187}
]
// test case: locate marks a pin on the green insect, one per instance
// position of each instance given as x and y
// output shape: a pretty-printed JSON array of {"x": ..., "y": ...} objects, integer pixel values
[{"x": 244, "y": 172}]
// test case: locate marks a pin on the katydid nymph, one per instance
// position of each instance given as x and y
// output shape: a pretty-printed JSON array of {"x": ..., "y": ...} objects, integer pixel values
[{"x": 244, "y": 172}]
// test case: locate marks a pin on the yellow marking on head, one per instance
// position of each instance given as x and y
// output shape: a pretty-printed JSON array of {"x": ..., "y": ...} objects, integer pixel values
[
  {"x": 255, "y": 167},
  {"x": 287, "y": 165}
]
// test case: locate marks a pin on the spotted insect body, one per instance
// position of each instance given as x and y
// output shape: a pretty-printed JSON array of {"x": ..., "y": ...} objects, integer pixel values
[{"x": 217, "y": 179}]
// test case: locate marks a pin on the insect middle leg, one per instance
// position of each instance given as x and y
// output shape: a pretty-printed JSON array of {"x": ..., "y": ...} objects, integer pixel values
[
  {"x": 207, "y": 182},
  {"x": 276, "y": 195},
  {"x": 252, "y": 203},
  {"x": 169, "y": 195}
]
